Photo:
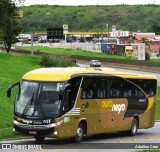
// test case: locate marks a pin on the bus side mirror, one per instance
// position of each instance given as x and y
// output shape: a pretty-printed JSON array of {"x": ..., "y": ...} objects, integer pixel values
[{"x": 10, "y": 88}]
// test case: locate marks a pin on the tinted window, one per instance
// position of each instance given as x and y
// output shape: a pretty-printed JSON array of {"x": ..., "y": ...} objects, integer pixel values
[
  {"x": 94, "y": 88},
  {"x": 149, "y": 86},
  {"x": 103, "y": 87},
  {"x": 121, "y": 88},
  {"x": 71, "y": 93}
]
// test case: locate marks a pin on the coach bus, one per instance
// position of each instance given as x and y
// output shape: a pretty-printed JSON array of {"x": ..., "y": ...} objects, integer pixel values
[{"x": 75, "y": 102}]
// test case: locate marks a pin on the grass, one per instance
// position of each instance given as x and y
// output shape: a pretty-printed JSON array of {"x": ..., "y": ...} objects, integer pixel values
[
  {"x": 158, "y": 105},
  {"x": 73, "y": 52},
  {"x": 78, "y": 52},
  {"x": 12, "y": 68}
]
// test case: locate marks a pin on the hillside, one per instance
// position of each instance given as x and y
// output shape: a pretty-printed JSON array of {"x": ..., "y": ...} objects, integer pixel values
[{"x": 138, "y": 18}]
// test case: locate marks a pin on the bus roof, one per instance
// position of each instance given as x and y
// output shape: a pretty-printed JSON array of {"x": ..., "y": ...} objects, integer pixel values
[{"x": 63, "y": 74}]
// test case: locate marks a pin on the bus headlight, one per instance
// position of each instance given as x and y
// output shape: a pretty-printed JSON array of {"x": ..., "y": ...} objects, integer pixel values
[
  {"x": 16, "y": 122},
  {"x": 54, "y": 124},
  {"x": 55, "y": 133}
]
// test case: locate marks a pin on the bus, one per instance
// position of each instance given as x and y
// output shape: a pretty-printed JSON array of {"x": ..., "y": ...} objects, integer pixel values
[{"x": 75, "y": 102}]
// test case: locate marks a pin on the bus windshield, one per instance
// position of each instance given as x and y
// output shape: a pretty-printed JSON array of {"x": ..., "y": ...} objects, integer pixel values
[{"x": 39, "y": 99}]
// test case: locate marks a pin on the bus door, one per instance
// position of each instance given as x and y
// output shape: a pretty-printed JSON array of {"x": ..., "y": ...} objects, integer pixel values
[
  {"x": 70, "y": 111},
  {"x": 87, "y": 102}
]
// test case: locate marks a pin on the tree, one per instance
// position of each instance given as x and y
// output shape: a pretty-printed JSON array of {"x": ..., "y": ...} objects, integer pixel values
[
  {"x": 9, "y": 26},
  {"x": 130, "y": 41},
  {"x": 147, "y": 42}
]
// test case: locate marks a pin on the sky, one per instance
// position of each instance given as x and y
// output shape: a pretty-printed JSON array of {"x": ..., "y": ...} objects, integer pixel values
[{"x": 90, "y": 2}]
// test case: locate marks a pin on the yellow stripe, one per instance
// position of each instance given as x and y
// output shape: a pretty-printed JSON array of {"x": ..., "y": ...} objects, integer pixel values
[{"x": 150, "y": 103}]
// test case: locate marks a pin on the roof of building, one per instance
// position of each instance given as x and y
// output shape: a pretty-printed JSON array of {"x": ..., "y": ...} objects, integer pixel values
[{"x": 140, "y": 37}]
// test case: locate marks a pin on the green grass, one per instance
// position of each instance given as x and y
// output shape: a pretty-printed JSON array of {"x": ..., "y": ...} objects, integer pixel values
[
  {"x": 158, "y": 105},
  {"x": 12, "y": 68},
  {"x": 73, "y": 52},
  {"x": 79, "y": 52}
]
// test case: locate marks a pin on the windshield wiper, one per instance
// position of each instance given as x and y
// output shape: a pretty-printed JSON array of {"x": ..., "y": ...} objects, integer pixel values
[{"x": 30, "y": 101}]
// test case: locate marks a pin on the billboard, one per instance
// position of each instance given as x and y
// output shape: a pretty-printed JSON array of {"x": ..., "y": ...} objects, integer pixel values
[{"x": 54, "y": 33}]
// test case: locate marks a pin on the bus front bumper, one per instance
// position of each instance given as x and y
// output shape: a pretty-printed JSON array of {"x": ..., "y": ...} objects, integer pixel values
[{"x": 35, "y": 130}]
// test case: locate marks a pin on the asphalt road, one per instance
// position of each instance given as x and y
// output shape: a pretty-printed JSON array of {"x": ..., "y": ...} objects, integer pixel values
[{"x": 145, "y": 138}]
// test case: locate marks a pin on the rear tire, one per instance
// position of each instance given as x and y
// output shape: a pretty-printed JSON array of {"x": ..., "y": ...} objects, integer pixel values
[
  {"x": 133, "y": 130},
  {"x": 134, "y": 127}
]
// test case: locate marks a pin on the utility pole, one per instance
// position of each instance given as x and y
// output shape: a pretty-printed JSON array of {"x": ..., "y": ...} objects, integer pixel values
[{"x": 31, "y": 43}]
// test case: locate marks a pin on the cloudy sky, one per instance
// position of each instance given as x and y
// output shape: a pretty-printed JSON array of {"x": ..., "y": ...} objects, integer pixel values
[{"x": 90, "y": 2}]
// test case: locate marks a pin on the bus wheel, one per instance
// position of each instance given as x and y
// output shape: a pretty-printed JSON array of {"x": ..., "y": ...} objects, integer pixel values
[
  {"x": 39, "y": 138},
  {"x": 80, "y": 133},
  {"x": 134, "y": 127}
]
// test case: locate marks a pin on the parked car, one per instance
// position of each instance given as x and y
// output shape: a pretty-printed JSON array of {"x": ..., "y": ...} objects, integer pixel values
[{"x": 95, "y": 63}]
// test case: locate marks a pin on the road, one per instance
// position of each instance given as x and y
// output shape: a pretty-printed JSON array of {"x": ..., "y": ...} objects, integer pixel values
[{"x": 144, "y": 138}]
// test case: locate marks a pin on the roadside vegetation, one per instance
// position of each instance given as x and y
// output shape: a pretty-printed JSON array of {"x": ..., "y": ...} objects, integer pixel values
[
  {"x": 66, "y": 51},
  {"x": 52, "y": 60},
  {"x": 143, "y": 18},
  {"x": 12, "y": 68}
]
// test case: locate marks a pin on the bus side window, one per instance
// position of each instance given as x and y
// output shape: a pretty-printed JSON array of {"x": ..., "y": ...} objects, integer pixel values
[
  {"x": 73, "y": 90},
  {"x": 66, "y": 101},
  {"x": 115, "y": 88},
  {"x": 147, "y": 85},
  {"x": 101, "y": 88},
  {"x": 83, "y": 94},
  {"x": 86, "y": 89},
  {"x": 131, "y": 91}
]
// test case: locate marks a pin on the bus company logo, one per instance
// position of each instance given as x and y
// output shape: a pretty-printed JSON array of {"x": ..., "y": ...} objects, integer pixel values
[
  {"x": 32, "y": 126},
  {"x": 118, "y": 107},
  {"x": 107, "y": 104},
  {"x": 84, "y": 106}
]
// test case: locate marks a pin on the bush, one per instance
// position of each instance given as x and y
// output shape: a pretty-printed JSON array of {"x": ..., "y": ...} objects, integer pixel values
[
  {"x": 55, "y": 60},
  {"x": 147, "y": 55},
  {"x": 46, "y": 61}
]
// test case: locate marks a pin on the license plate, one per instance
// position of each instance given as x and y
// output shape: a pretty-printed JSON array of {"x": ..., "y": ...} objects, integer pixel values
[{"x": 31, "y": 132}]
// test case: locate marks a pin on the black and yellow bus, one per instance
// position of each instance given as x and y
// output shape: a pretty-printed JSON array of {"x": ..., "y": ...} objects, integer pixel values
[{"x": 75, "y": 102}]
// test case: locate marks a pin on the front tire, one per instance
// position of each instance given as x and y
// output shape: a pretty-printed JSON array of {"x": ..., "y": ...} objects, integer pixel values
[{"x": 79, "y": 133}]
